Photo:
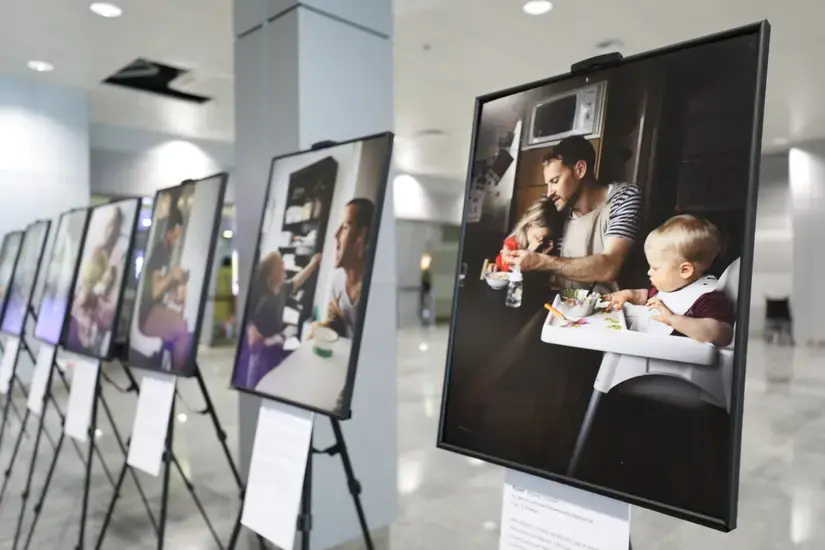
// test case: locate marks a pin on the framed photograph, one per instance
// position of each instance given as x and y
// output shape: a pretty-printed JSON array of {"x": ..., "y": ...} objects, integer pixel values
[
  {"x": 9, "y": 252},
  {"x": 96, "y": 302},
  {"x": 20, "y": 292},
  {"x": 307, "y": 296},
  {"x": 172, "y": 289},
  {"x": 61, "y": 270},
  {"x": 600, "y": 338}
]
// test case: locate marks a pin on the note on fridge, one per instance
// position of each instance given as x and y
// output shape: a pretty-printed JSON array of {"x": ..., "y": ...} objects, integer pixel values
[
  {"x": 81, "y": 397},
  {"x": 538, "y": 513},
  {"x": 276, "y": 473},
  {"x": 157, "y": 394},
  {"x": 10, "y": 348},
  {"x": 40, "y": 378}
]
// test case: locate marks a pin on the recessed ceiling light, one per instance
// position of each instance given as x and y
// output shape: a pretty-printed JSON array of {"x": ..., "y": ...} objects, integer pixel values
[
  {"x": 105, "y": 9},
  {"x": 40, "y": 66},
  {"x": 537, "y": 7}
]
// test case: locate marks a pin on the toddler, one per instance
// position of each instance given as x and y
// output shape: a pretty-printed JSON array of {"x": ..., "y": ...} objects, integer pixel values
[
  {"x": 533, "y": 232},
  {"x": 682, "y": 296}
]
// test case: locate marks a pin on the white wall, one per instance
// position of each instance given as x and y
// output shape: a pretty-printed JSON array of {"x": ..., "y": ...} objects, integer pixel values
[
  {"x": 428, "y": 198},
  {"x": 126, "y": 161}
]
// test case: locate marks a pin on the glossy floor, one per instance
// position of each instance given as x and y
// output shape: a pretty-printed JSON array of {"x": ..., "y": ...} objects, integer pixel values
[{"x": 447, "y": 501}]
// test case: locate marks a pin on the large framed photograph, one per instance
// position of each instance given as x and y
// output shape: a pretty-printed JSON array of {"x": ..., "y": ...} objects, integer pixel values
[
  {"x": 307, "y": 298},
  {"x": 9, "y": 252},
  {"x": 96, "y": 302},
  {"x": 172, "y": 289},
  {"x": 61, "y": 270},
  {"x": 600, "y": 326},
  {"x": 20, "y": 292}
]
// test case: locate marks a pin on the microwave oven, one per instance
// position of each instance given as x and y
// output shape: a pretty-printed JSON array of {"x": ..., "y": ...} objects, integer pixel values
[{"x": 578, "y": 112}]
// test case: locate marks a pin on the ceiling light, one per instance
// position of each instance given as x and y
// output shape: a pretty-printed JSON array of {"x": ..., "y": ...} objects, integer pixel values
[
  {"x": 227, "y": 233},
  {"x": 105, "y": 9},
  {"x": 537, "y": 7},
  {"x": 146, "y": 222},
  {"x": 40, "y": 66}
]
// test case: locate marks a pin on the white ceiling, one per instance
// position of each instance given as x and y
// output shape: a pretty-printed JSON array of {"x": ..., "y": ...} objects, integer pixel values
[{"x": 447, "y": 52}]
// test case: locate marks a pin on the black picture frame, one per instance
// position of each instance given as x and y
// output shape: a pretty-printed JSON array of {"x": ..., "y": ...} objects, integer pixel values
[
  {"x": 35, "y": 277},
  {"x": 110, "y": 353},
  {"x": 761, "y": 30},
  {"x": 191, "y": 368},
  {"x": 6, "y": 237},
  {"x": 346, "y": 412},
  {"x": 64, "y": 321}
]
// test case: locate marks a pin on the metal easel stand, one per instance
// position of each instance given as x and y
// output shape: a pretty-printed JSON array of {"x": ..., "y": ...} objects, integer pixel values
[
  {"x": 41, "y": 428},
  {"x": 305, "y": 517},
  {"x": 93, "y": 449},
  {"x": 169, "y": 458}
]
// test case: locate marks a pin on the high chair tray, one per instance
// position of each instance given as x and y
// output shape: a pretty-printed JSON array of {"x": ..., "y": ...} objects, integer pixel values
[{"x": 608, "y": 332}]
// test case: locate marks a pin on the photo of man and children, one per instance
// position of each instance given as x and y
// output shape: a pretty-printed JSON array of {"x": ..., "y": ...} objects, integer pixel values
[
  {"x": 60, "y": 273},
  {"x": 307, "y": 295},
  {"x": 171, "y": 288},
  {"x": 593, "y": 340},
  {"x": 25, "y": 276},
  {"x": 93, "y": 314}
]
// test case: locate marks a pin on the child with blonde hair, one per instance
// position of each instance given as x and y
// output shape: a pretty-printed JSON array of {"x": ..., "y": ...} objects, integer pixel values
[
  {"x": 534, "y": 231},
  {"x": 679, "y": 252}
]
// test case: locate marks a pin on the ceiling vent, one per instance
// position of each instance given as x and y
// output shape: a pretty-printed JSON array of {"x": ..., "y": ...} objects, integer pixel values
[{"x": 157, "y": 78}]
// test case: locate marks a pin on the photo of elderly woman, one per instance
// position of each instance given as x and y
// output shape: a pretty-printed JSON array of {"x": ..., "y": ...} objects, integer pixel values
[
  {"x": 25, "y": 276},
  {"x": 613, "y": 360},
  {"x": 97, "y": 295},
  {"x": 60, "y": 274},
  {"x": 171, "y": 288}
]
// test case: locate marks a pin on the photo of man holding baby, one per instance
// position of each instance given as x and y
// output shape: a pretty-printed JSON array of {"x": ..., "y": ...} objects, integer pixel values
[{"x": 603, "y": 295}]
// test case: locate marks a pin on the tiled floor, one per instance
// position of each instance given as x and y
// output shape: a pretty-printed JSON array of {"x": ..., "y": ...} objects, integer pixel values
[{"x": 447, "y": 501}]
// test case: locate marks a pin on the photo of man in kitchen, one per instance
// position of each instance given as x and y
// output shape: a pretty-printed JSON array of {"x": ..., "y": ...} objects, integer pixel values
[
  {"x": 613, "y": 301},
  {"x": 300, "y": 332}
]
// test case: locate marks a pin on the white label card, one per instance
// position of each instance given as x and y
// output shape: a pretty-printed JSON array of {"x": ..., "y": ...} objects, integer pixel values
[
  {"x": 276, "y": 473},
  {"x": 543, "y": 515},
  {"x": 81, "y": 397},
  {"x": 157, "y": 394},
  {"x": 40, "y": 378},
  {"x": 10, "y": 348}
]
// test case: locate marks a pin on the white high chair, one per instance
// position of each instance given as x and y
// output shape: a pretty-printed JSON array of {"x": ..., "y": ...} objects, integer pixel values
[{"x": 676, "y": 369}]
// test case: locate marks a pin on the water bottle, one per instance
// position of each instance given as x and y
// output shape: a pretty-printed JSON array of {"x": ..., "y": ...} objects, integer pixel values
[{"x": 514, "y": 288}]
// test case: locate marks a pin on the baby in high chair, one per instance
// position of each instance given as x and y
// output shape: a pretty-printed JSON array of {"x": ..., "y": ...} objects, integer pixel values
[{"x": 679, "y": 252}]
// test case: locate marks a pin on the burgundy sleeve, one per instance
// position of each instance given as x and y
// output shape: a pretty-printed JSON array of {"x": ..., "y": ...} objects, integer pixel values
[{"x": 713, "y": 305}]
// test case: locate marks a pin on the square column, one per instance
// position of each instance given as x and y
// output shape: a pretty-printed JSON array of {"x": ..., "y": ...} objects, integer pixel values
[{"x": 307, "y": 72}]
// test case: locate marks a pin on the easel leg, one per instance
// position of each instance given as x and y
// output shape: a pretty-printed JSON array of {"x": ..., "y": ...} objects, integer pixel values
[
  {"x": 7, "y": 472},
  {"x": 33, "y": 463},
  {"x": 125, "y": 451},
  {"x": 210, "y": 409},
  {"x": 198, "y": 504},
  {"x": 167, "y": 461},
  {"x": 110, "y": 510},
  {"x": 39, "y": 506},
  {"x": 81, "y": 541},
  {"x": 305, "y": 517},
  {"x": 352, "y": 482}
]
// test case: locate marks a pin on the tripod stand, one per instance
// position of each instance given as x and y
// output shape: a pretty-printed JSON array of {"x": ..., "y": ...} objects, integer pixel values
[
  {"x": 92, "y": 430},
  {"x": 304, "y": 525},
  {"x": 169, "y": 459}
]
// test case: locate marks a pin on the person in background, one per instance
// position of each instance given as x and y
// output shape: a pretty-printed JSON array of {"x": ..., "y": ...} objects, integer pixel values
[
  {"x": 263, "y": 338},
  {"x": 535, "y": 231},
  {"x": 679, "y": 252},
  {"x": 351, "y": 245},
  {"x": 602, "y": 221}
]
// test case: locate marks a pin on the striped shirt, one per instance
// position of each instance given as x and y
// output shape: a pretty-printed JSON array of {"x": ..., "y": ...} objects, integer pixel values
[{"x": 625, "y": 218}]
